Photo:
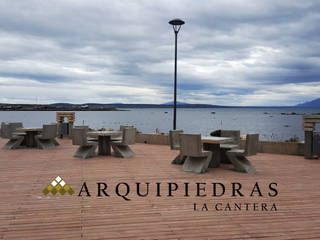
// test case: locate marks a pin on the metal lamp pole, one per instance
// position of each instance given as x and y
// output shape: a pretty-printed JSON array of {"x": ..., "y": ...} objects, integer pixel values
[{"x": 176, "y": 24}]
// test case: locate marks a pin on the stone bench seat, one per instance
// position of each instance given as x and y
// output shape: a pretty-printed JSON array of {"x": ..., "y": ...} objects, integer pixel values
[
  {"x": 236, "y": 150},
  {"x": 238, "y": 156},
  {"x": 120, "y": 146},
  {"x": 9, "y": 131},
  {"x": 229, "y": 146},
  {"x": 86, "y": 148},
  {"x": 46, "y": 140},
  {"x": 19, "y": 133}
]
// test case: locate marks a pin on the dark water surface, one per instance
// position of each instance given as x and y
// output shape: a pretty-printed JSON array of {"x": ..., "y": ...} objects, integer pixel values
[{"x": 268, "y": 122}]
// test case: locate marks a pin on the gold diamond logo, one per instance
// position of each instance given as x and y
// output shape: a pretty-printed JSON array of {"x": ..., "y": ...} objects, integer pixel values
[{"x": 58, "y": 185}]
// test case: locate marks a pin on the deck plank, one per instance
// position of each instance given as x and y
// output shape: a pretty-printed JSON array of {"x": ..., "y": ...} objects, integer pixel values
[{"x": 25, "y": 213}]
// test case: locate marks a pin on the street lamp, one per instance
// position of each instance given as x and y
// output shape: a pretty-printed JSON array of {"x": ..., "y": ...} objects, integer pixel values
[{"x": 176, "y": 24}]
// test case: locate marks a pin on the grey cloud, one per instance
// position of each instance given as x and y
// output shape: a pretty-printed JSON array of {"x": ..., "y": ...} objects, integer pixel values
[{"x": 227, "y": 49}]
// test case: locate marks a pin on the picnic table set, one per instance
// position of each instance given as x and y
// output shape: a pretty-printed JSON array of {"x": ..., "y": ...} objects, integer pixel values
[
  {"x": 197, "y": 153},
  {"x": 88, "y": 141},
  {"x": 31, "y": 137}
]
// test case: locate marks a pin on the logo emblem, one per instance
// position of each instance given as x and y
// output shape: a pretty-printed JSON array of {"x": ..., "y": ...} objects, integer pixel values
[{"x": 58, "y": 185}]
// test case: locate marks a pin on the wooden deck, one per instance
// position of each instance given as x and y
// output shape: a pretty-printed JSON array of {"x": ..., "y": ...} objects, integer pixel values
[{"x": 25, "y": 213}]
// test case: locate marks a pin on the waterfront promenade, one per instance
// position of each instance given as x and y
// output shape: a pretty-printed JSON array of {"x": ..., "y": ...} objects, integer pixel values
[{"x": 26, "y": 213}]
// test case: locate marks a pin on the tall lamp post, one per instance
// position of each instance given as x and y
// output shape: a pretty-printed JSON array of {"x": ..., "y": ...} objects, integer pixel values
[{"x": 176, "y": 24}]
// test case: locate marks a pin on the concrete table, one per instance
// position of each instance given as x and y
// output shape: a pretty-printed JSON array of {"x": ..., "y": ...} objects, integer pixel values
[
  {"x": 104, "y": 138},
  {"x": 213, "y": 144},
  {"x": 29, "y": 139}
]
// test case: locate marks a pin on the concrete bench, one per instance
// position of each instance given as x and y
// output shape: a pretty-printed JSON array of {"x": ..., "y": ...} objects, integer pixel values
[
  {"x": 15, "y": 139},
  {"x": 46, "y": 140},
  {"x": 238, "y": 156},
  {"x": 121, "y": 147},
  {"x": 197, "y": 160},
  {"x": 86, "y": 148}
]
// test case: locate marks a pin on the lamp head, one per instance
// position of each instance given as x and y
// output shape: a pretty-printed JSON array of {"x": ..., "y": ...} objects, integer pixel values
[{"x": 176, "y": 24}]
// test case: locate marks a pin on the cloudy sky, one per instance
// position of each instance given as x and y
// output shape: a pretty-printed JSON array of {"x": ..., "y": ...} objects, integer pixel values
[{"x": 229, "y": 52}]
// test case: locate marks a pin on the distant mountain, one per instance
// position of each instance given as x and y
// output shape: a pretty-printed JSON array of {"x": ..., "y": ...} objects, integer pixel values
[
  {"x": 312, "y": 104},
  {"x": 82, "y": 104},
  {"x": 60, "y": 104},
  {"x": 178, "y": 103},
  {"x": 181, "y": 105},
  {"x": 123, "y": 106},
  {"x": 57, "y": 107},
  {"x": 130, "y": 105}
]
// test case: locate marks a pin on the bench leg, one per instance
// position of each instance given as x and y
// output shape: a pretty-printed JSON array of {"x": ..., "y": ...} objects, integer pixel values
[
  {"x": 14, "y": 143},
  {"x": 86, "y": 151},
  {"x": 197, "y": 164},
  {"x": 179, "y": 159},
  {"x": 55, "y": 142},
  {"x": 45, "y": 143},
  {"x": 241, "y": 163},
  {"x": 122, "y": 151}
]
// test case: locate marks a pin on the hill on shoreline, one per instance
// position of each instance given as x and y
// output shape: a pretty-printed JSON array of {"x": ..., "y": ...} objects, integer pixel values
[
  {"x": 121, "y": 106},
  {"x": 311, "y": 104}
]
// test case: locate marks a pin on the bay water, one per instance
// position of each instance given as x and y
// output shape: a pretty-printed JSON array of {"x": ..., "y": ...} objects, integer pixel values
[{"x": 270, "y": 123}]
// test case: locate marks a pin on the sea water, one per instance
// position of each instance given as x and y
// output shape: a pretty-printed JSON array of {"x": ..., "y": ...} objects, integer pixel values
[{"x": 270, "y": 123}]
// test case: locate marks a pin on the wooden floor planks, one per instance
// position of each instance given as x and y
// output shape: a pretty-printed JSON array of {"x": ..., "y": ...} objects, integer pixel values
[{"x": 25, "y": 213}]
